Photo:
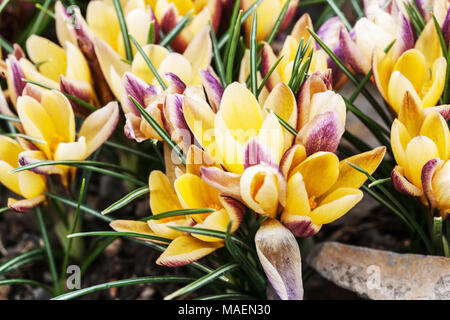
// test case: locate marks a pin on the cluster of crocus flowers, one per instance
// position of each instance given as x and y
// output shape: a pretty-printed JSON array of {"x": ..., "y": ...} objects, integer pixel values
[
  {"x": 420, "y": 140},
  {"x": 188, "y": 191}
]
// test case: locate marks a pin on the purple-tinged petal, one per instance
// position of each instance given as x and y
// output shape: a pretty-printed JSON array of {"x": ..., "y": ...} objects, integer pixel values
[
  {"x": 290, "y": 15},
  {"x": 444, "y": 110},
  {"x": 268, "y": 59},
  {"x": 168, "y": 22},
  {"x": 235, "y": 209},
  {"x": 132, "y": 128},
  {"x": 79, "y": 89},
  {"x": 428, "y": 171},
  {"x": 175, "y": 85},
  {"x": 213, "y": 88},
  {"x": 280, "y": 258},
  {"x": 18, "y": 52},
  {"x": 329, "y": 32},
  {"x": 33, "y": 91},
  {"x": 32, "y": 156},
  {"x": 402, "y": 185},
  {"x": 25, "y": 204},
  {"x": 300, "y": 226},
  {"x": 14, "y": 76},
  {"x": 227, "y": 183},
  {"x": 322, "y": 133},
  {"x": 257, "y": 153},
  {"x": 353, "y": 54},
  {"x": 292, "y": 158},
  {"x": 175, "y": 123},
  {"x": 405, "y": 38},
  {"x": 135, "y": 87},
  {"x": 156, "y": 24},
  {"x": 446, "y": 27}
]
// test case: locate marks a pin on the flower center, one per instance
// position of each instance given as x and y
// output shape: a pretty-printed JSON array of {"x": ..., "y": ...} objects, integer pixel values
[{"x": 312, "y": 202}]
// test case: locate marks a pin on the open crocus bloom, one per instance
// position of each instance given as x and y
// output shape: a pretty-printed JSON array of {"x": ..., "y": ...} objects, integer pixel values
[
  {"x": 51, "y": 120},
  {"x": 170, "y": 12},
  {"x": 425, "y": 82},
  {"x": 283, "y": 71},
  {"x": 26, "y": 184},
  {"x": 420, "y": 142},
  {"x": 381, "y": 27},
  {"x": 320, "y": 188},
  {"x": 188, "y": 192},
  {"x": 267, "y": 14},
  {"x": 185, "y": 66}
]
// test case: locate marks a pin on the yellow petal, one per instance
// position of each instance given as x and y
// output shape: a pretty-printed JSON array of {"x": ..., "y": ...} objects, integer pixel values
[
  {"x": 335, "y": 205},
  {"x": 77, "y": 67},
  {"x": 418, "y": 152},
  {"x": 320, "y": 171},
  {"x": 326, "y": 101},
  {"x": 72, "y": 150},
  {"x": 199, "y": 53},
  {"x": 102, "y": 19},
  {"x": 133, "y": 226},
  {"x": 11, "y": 181},
  {"x": 177, "y": 64},
  {"x": 163, "y": 228},
  {"x": 382, "y": 70},
  {"x": 156, "y": 54},
  {"x": 435, "y": 127},
  {"x": 31, "y": 184},
  {"x": 194, "y": 193},
  {"x": 272, "y": 135},
  {"x": 411, "y": 115},
  {"x": 428, "y": 43},
  {"x": 186, "y": 249},
  {"x": 60, "y": 110},
  {"x": 52, "y": 58},
  {"x": 416, "y": 75},
  {"x": 162, "y": 195},
  {"x": 228, "y": 151},
  {"x": 282, "y": 102},
  {"x": 434, "y": 87},
  {"x": 398, "y": 86},
  {"x": 9, "y": 151},
  {"x": 400, "y": 138},
  {"x": 31, "y": 73},
  {"x": 297, "y": 197},
  {"x": 288, "y": 52},
  {"x": 218, "y": 221}
]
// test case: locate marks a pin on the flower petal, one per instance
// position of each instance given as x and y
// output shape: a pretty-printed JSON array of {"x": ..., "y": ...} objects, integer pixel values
[
  {"x": 428, "y": 171},
  {"x": 175, "y": 123},
  {"x": 228, "y": 183},
  {"x": 134, "y": 226},
  {"x": 197, "y": 158},
  {"x": 213, "y": 89},
  {"x": 435, "y": 127},
  {"x": 199, "y": 53},
  {"x": 435, "y": 86},
  {"x": 98, "y": 127},
  {"x": 418, "y": 152},
  {"x": 280, "y": 258},
  {"x": 399, "y": 85},
  {"x": 79, "y": 89},
  {"x": 292, "y": 158},
  {"x": 175, "y": 85},
  {"x": 268, "y": 59},
  {"x": 402, "y": 185},
  {"x": 411, "y": 115},
  {"x": 25, "y": 204},
  {"x": 186, "y": 249},
  {"x": 31, "y": 184}
]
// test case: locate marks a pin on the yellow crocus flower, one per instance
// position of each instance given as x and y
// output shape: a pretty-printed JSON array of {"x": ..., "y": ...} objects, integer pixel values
[
  {"x": 420, "y": 140},
  {"x": 187, "y": 192},
  {"x": 27, "y": 184},
  {"x": 420, "y": 71}
]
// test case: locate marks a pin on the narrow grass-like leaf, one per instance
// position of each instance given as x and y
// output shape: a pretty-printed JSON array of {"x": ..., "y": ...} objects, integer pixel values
[
  {"x": 75, "y": 99},
  {"x": 6, "y": 45},
  {"x": 278, "y": 22},
  {"x": 441, "y": 36},
  {"x": 20, "y": 260},
  {"x": 357, "y": 8},
  {"x": 217, "y": 57},
  {"x": 226, "y": 39},
  {"x": 9, "y": 118},
  {"x": 45, "y": 10},
  {"x": 122, "y": 234},
  {"x": 38, "y": 22},
  {"x": 133, "y": 195},
  {"x": 12, "y": 282},
  {"x": 24, "y": 136},
  {"x": 72, "y": 229},
  {"x": 181, "y": 212},
  {"x": 151, "y": 33},
  {"x": 379, "y": 181},
  {"x": 263, "y": 82},
  {"x": 233, "y": 47},
  {"x": 176, "y": 30},
  {"x": 286, "y": 125},
  {"x": 352, "y": 78},
  {"x": 253, "y": 70},
  {"x": 149, "y": 63},
  {"x": 301, "y": 76},
  {"x": 437, "y": 236},
  {"x": 74, "y": 204},
  {"x": 123, "y": 29},
  {"x": 131, "y": 150},
  {"x": 159, "y": 130},
  {"x": 3, "y": 5},
  {"x": 339, "y": 13},
  {"x": 197, "y": 284},
  {"x": 123, "y": 283},
  {"x": 4, "y": 209},
  {"x": 48, "y": 249}
]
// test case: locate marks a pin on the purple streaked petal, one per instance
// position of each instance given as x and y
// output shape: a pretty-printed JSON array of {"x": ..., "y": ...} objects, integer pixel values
[
  {"x": 329, "y": 32},
  {"x": 227, "y": 183},
  {"x": 15, "y": 76},
  {"x": 322, "y": 133},
  {"x": 300, "y": 226},
  {"x": 175, "y": 83},
  {"x": 235, "y": 209},
  {"x": 18, "y": 52},
  {"x": 446, "y": 27},
  {"x": 31, "y": 156},
  {"x": 290, "y": 15},
  {"x": 135, "y": 87},
  {"x": 132, "y": 128},
  {"x": 257, "y": 153},
  {"x": 291, "y": 158},
  {"x": 268, "y": 59},
  {"x": 352, "y": 53},
  {"x": 175, "y": 123},
  {"x": 24, "y": 205},
  {"x": 405, "y": 37},
  {"x": 428, "y": 171},
  {"x": 402, "y": 185},
  {"x": 33, "y": 91},
  {"x": 79, "y": 89},
  {"x": 213, "y": 89},
  {"x": 280, "y": 258}
]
